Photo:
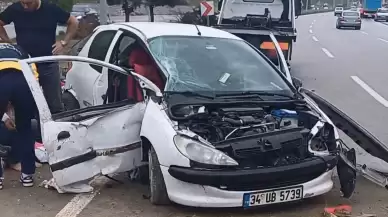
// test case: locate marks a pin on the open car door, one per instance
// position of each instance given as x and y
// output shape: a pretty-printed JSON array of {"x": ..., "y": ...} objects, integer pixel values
[
  {"x": 282, "y": 63},
  {"x": 97, "y": 140}
]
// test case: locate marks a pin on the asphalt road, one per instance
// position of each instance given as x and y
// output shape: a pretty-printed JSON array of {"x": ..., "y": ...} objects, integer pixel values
[{"x": 325, "y": 59}]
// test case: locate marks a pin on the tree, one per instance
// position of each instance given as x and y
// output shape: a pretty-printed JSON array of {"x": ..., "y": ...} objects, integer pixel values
[
  {"x": 66, "y": 5},
  {"x": 155, "y": 3},
  {"x": 129, "y": 6}
]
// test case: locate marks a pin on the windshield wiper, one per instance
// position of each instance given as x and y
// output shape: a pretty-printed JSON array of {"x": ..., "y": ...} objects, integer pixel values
[
  {"x": 191, "y": 93},
  {"x": 254, "y": 94}
]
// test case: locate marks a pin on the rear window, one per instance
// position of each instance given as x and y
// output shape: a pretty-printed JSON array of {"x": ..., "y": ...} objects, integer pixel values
[
  {"x": 350, "y": 14},
  {"x": 338, "y": 9}
]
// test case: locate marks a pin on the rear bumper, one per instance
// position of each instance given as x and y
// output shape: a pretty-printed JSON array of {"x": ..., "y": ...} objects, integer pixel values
[{"x": 349, "y": 24}]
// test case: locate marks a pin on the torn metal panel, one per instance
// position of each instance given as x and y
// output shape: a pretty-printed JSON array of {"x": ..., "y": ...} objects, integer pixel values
[
  {"x": 354, "y": 130},
  {"x": 106, "y": 144}
]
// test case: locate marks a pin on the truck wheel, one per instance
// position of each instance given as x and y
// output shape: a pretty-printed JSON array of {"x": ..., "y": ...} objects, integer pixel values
[
  {"x": 158, "y": 189},
  {"x": 69, "y": 101}
]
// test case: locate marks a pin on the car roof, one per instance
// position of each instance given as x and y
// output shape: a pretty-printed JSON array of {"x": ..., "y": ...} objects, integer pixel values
[{"x": 155, "y": 29}]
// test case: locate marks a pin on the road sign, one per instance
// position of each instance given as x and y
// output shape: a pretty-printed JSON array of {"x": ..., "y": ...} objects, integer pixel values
[{"x": 207, "y": 8}]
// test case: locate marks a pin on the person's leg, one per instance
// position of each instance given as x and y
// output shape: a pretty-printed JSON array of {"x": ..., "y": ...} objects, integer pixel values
[
  {"x": 50, "y": 80},
  {"x": 25, "y": 108},
  {"x": 5, "y": 90}
]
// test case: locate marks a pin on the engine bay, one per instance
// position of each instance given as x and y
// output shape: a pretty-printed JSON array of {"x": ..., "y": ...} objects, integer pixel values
[{"x": 259, "y": 136}]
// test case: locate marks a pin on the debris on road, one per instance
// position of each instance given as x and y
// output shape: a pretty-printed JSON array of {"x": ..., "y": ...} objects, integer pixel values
[
  {"x": 343, "y": 211},
  {"x": 338, "y": 211}
]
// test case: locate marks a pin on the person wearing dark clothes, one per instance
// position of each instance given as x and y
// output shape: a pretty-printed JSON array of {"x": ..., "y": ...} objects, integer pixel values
[
  {"x": 35, "y": 24},
  {"x": 15, "y": 90}
]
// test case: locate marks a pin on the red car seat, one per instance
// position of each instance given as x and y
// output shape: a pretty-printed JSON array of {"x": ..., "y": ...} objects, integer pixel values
[{"x": 143, "y": 65}]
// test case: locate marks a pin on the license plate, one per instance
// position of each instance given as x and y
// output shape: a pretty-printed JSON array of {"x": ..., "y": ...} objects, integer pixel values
[{"x": 273, "y": 196}]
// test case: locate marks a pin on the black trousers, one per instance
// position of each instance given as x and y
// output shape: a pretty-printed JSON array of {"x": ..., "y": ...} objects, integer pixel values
[
  {"x": 50, "y": 80},
  {"x": 14, "y": 89}
]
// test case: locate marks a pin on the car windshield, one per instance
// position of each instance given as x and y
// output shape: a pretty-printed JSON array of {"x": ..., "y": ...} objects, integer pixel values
[
  {"x": 385, "y": 10},
  {"x": 350, "y": 14},
  {"x": 214, "y": 64}
]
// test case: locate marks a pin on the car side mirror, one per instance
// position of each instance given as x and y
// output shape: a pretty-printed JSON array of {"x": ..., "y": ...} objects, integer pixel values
[{"x": 297, "y": 82}]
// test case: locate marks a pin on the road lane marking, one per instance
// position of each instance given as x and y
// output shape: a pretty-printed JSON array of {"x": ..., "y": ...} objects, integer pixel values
[
  {"x": 315, "y": 38},
  {"x": 311, "y": 26},
  {"x": 327, "y": 53},
  {"x": 80, "y": 201},
  {"x": 314, "y": 21},
  {"x": 365, "y": 33},
  {"x": 383, "y": 40},
  {"x": 369, "y": 90},
  {"x": 311, "y": 31}
]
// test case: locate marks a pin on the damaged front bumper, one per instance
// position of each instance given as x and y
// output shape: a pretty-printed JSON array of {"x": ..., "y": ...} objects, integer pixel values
[
  {"x": 198, "y": 195},
  {"x": 258, "y": 178}
]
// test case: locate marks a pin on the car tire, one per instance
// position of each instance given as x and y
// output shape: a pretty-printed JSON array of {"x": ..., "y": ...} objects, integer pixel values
[
  {"x": 338, "y": 27},
  {"x": 158, "y": 191},
  {"x": 69, "y": 101},
  {"x": 358, "y": 28},
  {"x": 376, "y": 20}
]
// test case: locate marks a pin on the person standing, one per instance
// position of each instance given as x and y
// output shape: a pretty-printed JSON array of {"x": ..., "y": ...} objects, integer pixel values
[{"x": 35, "y": 24}]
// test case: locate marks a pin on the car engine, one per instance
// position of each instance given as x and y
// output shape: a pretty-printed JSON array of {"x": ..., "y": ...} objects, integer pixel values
[{"x": 260, "y": 137}]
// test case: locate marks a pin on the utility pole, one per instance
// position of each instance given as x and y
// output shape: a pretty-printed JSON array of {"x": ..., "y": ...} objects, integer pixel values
[
  {"x": 307, "y": 5},
  {"x": 103, "y": 12}
]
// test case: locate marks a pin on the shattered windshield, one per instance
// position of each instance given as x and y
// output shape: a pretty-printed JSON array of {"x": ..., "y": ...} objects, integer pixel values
[{"x": 214, "y": 64}]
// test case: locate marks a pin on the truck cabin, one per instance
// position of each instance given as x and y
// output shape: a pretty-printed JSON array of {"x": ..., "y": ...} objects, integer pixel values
[
  {"x": 271, "y": 13},
  {"x": 253, "y": 20}
]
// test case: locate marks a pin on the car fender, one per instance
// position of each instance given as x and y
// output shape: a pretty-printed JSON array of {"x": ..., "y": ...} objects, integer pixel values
[
  {"x": 354, "y": 130},
  {"x": 159, "y": 130}
]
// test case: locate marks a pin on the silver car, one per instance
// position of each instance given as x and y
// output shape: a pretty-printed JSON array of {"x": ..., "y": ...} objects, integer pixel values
[
  {"x": 382, "y": 14},
  {"x": 349, "y": 19}
]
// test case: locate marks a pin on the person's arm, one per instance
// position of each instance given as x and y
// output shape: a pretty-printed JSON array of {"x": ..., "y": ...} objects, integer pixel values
[
  {"x": 64, "y": 17},
  {"x": 6, "y": 17}
]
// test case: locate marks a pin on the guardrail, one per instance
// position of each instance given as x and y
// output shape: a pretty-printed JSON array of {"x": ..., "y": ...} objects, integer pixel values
[{"x": 305, "y": 12}]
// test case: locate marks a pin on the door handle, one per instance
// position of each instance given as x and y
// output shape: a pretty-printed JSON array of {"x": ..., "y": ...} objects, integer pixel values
[{"x": 63, "y": 135}]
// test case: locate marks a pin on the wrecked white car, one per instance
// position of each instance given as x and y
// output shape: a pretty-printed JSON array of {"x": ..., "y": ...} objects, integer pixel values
[{"x": 224, "y": 133}]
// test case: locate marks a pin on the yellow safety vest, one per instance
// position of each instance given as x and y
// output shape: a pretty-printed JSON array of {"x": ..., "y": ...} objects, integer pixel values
[{"x": 11, "y": 64}]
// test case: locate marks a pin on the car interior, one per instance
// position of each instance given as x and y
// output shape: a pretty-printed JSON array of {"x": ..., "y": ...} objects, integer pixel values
[{"x": 130, "y": 54}]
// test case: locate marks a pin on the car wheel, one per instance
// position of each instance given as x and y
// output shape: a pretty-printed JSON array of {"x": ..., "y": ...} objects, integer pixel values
[
  {"x": 337, "y": 26},
  {"x": 376, "y": 20},
  {"x": 358, "y": 27},
  {"x": 158, "y": 189},
  {"x": 69, "y": 101}
]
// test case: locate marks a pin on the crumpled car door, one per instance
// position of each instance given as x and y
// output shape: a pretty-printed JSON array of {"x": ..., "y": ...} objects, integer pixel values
[
  {"x": 98, "y": 140},
  {"x": 282, "y": 60}
]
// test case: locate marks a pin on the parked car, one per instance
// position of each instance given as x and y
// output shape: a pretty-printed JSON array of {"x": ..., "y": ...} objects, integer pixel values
[
  {"x": 208, "y": 120},
  {"x": 80, "y": 10}
]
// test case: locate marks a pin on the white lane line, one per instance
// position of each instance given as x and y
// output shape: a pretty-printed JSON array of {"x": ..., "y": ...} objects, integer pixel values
[
  {"x": 383, "y": 40},
  {"x": 314, "y": 21},
  {"x": 365, "y": 33},
  {"x": 315, "y": 38},
  {"x": 369, "y": 90},
  {"x": 80, "y": 201},
  {"x": 327, "y": 53},
  {"x": 311, "y": 26},
  {"x": 311, "y": 31}
]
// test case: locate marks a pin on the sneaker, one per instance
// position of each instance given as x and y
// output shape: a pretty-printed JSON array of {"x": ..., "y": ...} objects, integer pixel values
[
  {"x": 1, "y": 183},
  {"x": 27, "y": 181}
]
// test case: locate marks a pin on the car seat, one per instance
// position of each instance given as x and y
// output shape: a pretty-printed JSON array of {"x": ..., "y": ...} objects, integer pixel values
[{"x": 143, "y": 65}]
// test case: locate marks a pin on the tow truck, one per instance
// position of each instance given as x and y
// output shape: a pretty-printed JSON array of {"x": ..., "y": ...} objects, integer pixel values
[{"x": 256, "y": 20}]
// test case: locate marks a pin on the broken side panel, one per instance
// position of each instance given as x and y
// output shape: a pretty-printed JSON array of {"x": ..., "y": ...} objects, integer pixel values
[{"x": 105, "y": 144}]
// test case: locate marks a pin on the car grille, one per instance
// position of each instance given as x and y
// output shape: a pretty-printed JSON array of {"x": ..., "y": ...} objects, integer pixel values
[{"x": 246, "y": 185}]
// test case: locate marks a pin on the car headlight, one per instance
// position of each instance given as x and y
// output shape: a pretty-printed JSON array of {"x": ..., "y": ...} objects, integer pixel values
[{"x": 202, "y": 153}]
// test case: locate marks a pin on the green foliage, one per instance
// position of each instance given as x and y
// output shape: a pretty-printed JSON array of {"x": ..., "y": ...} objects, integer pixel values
[
  {"x": 170, "y": 3},
  {"x": 66, "y": 5}
]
